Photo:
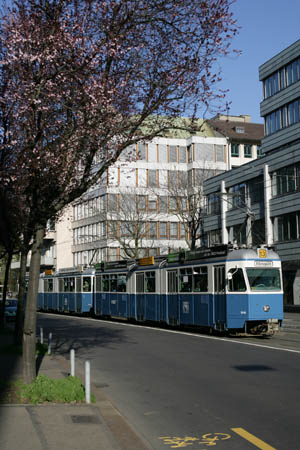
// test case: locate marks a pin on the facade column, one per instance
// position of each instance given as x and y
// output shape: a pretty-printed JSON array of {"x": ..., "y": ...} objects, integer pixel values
[
  {"x": 224, "y": 204},
  {"x": 268, "y": 196}
]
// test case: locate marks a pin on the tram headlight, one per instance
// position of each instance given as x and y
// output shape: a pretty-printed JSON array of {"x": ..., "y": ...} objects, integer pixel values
[{"x": 266, "y": 308}]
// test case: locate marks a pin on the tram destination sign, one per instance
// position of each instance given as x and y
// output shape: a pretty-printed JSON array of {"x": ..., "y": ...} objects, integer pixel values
[{"x": 209, "y": 252}]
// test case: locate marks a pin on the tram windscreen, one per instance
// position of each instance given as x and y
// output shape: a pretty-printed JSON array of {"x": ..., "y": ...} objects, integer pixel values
[{"x": 263, "y": 279}]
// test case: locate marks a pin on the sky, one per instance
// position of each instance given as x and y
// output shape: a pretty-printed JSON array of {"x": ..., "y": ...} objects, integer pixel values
[{"x": 267, "y": 28}]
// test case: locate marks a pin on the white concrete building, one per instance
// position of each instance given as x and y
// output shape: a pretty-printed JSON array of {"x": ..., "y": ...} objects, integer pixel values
[{"x": 151, "y": 177}]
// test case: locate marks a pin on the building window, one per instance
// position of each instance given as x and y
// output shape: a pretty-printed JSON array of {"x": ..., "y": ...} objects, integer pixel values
[
  {"x": 292, "y": 72},
  {"x": 213, "y": 204},
  {"x": 280, "y": 118},
  {"x": 162, "y": 153},
  {"x": 142, "y": 153},
  {"x": 239, "y": 234},
  {"x": 238, "y": 195},
  {"x": 248, "y": 151},
  {"x": 235, "y": 150},
  {"x": 284, "y": 77},
  {"x": 182, "y": 154},
  {"x": 286, "y": 180},
  {"x": 141, "y": 202},
  {"x": 183, "y": 179},
  {"x": 152, "y": 178},
  {"x": 259, "y": 151},
  {"x": 220, "y": 154},
  {"x": 182, "y": 231},
  {"x": 163, "y": 230},
  {"x": 152, "y": 152},
  {"x": 256, "y": 190},
  {"x": 153, "y": 229},
  {"x": 152, "y": 203},
  {"x": 287, "y": 227},
  {"x": 173, "y": 230},
  {"x": 214, "y": 237},
  {"x": 163, "y": 204},
  {"x": 113, "y": 202},
  {"x": 173, "y": 178},
  {"x": 271, "y": 85},
  {"x": 240, "y": 130},
  {"x": 172, "y": 153},
  {"x": 172, "y": 204}
]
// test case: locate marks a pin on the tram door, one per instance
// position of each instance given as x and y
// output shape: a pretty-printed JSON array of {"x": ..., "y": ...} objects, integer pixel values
[
  {"x": 172, "y": 297},
  {"x": 219, "y": 296}
]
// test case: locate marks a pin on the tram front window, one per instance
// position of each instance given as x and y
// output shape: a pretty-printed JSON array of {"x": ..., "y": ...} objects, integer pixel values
[{"x": 263, "y": 279}]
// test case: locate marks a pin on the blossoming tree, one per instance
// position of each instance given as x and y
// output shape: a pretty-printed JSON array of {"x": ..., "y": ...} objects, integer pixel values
[{"x": 87, "y": 77}]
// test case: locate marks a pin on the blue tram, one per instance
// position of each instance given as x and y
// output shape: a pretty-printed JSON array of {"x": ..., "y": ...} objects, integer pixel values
[{"x": 235, "y": 290}]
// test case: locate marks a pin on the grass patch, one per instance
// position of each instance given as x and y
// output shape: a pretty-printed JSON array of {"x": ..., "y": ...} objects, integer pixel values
[{"x": 45, "y": 389}]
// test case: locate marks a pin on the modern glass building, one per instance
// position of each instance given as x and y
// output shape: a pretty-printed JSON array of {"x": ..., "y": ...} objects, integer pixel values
[{"x": 259, "y": 202}]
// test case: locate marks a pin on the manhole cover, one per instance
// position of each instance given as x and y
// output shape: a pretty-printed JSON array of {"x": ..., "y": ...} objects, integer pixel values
[{"x": 85, "y": 419}]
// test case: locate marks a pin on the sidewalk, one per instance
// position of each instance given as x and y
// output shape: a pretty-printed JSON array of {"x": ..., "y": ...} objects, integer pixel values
[
  {"x": 97, "y": 426},
  {"x": 291, "y": 321}
]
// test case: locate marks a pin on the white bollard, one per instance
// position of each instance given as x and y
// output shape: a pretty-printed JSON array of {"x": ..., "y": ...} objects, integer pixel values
[
  {"x": 41, "y": 336},
  {"x": 49, "y": 343},
  {"x": 87, "y": 382},
  {"x": 72, "y": 360}
]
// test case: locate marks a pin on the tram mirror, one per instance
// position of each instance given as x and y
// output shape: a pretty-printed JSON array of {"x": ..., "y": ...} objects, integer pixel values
[{"x": 229, "y": 276}]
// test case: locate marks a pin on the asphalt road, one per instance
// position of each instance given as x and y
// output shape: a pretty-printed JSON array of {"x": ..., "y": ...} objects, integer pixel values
[{"x": 184, "y": 390}]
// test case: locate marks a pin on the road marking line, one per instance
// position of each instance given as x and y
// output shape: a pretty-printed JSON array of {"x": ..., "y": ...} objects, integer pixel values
[{"x": 251, "y": 438}]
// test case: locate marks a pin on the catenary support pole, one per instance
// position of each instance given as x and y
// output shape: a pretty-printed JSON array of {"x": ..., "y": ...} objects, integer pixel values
[{"x": 41, "y": 336}]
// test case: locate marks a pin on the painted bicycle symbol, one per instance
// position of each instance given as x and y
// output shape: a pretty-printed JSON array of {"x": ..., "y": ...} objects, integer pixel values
[{"x": 208, "y": 439}]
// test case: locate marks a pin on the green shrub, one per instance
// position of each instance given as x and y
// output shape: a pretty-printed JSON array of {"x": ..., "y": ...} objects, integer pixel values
[{"x": 45, "y": 389}]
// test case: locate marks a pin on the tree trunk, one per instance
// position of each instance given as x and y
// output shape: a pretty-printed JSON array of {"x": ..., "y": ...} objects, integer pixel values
[
  {"x": 18, "y": 332},
  {"x": 5, "y": 284},
  {"x": 29, "y": 333}
]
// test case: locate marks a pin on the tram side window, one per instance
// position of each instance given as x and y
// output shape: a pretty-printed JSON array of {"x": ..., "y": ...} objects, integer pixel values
[
  {"x": 121, "y": 287},
  {"x": 113, "y": 283},
  {"x": 140, "y": 282},
  {"x": 150, "y": 281},
  {"x": 50, "y": 285},
  {"x": 200, "y": 279},
  {"x": 172, "y": 281},
  {"x": 78, "y": 284},
  {"x": 87, "y": 285},
  {"x": 105, "y": 283},
  {"x": 69, "y": 284},
  {"x": 185, "y": 280},
  {"x": 237, "y": 282},
  {"x": 98, "y": 283},
  {"x": 61, "y": 285},
  {"x": 72, "y": 284},
  {"x": 66, "y": 285}
]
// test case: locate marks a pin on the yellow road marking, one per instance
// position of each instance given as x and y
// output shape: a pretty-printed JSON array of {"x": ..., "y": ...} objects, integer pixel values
[{"x": 254, "y": 440}]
